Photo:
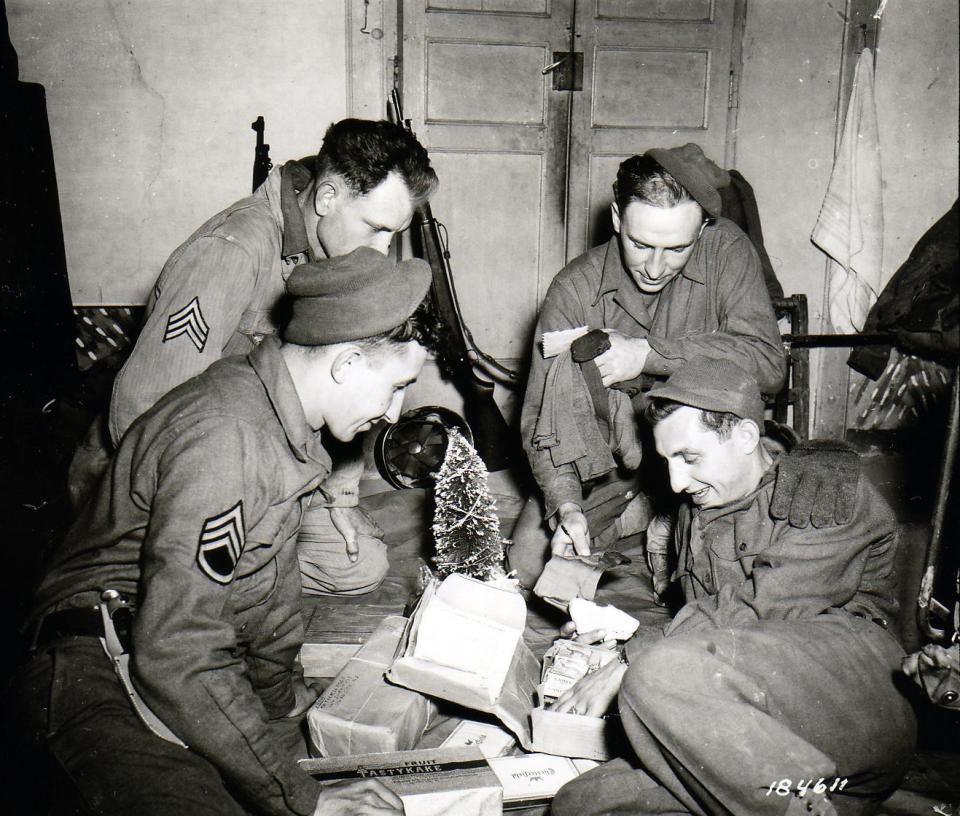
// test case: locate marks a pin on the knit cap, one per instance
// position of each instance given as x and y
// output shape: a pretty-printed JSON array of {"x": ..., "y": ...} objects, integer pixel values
[
  {"x": 693, "y": 171},
  {"x": 713, "y": 385},
  {"x": 353, "y": 296}
]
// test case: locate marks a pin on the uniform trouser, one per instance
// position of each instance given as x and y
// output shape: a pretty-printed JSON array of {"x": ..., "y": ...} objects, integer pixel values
[
  {"x": 325, "y": 568},
  {"x": 69, "y": 706},
  {"x": 716, "y": 716}
]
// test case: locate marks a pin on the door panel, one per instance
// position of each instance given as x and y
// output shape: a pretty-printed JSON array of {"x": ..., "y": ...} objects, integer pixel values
[
  {"x": 526, "y": 172},
  {"x": 656, "y": 74},
  {"x": 453, "y": 66},
  {"x": 474, "y": 88}
]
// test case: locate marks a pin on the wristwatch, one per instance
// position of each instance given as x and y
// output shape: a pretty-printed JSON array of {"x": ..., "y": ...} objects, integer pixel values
[{"x": 622, "y": 655}]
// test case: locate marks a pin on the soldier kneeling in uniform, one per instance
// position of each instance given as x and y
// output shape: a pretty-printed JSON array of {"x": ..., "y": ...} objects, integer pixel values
[
  {"x": 193, "y": 706},
  {"x": 772, "y": 690}
]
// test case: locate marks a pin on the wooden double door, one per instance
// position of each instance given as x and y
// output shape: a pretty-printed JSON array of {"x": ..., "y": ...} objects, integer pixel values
[{"x": 527, "y": 169}]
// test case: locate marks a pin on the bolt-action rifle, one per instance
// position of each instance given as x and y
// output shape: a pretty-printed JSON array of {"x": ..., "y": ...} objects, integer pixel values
[
  {"x": 261, "y": 159},
  {"x": 492, "y": 436}
]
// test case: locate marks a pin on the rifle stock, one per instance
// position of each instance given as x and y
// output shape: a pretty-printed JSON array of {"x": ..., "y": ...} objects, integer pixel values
[{"x": 491, "y": 434}]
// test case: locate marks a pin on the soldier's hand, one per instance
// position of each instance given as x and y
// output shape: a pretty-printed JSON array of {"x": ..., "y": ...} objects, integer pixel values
[
  {"x": 594, "y": 694},
  {"x": 351, "y": 523},
  {"x": 659, "y": 536},
  {"x": 936, "y": 670},
  {"x": 817, "y": 484},
  {"x": 304, "y": 696},
  {"x": 572, "y": 536},
  {"x": 598, "y": 637},
  {"x": 367, "y": 797},
  {"x": 624, "y": 360}
]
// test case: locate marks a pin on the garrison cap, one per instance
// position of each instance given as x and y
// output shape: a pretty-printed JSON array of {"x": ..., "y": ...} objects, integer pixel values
[
  {"x": 694, "y": 171},
  {"x": 713, "y": 385},
  {"x": 353, "y": 296}
]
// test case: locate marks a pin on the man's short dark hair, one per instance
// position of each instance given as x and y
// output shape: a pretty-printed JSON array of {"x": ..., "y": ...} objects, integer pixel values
[
  {"x": 642, "y": 178},
  {"x": 423, "y": 326},
  {"x": 363, "y": 152},
  {"x": 721, "y": 423}
]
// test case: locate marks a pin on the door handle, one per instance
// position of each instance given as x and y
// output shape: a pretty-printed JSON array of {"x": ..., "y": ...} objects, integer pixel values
[
  {"x": 554, "y": 65},
  {"x": 567, "y": 71}
]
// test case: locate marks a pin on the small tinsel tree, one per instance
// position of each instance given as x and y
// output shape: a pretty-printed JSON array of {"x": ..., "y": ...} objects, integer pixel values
[{"x": 465, "y": 525}]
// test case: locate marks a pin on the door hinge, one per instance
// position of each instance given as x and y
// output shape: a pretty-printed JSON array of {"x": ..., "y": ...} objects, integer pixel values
[{"x": 733, "y": 91}]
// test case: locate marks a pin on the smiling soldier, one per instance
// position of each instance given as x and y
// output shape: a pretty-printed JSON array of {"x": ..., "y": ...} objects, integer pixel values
[
  {"x": 193, "y": 531},
  {"x": 772, "y": 690}
]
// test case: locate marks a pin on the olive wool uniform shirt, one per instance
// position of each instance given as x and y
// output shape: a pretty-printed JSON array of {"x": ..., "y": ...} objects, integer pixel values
[
  {"x": 717, "y": 307},
  {"x": 196, "y": 524}
]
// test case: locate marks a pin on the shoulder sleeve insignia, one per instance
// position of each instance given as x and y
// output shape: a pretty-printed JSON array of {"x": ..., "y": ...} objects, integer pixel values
[
  {"x": 189, "y": 321},
  {"x": 221, "y": 543}
]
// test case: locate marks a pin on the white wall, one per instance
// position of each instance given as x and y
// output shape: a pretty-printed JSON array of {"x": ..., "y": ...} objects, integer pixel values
[
  {"x": 917, "y": 92},
  {"x": 150, "y": 104}
]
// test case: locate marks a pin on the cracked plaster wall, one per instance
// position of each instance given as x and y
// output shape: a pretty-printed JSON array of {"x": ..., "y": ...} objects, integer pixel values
[
  {"x": 150, "y": 104},
  {"x": 787, "y": 125}
]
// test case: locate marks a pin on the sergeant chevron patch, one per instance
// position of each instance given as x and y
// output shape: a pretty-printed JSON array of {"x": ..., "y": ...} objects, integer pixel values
[
  {"x": 189, "y": 321},
  {"x": 221, "y": 542}
]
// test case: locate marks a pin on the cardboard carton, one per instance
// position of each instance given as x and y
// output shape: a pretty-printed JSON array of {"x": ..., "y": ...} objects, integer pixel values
[
  {"x": 360, "y": 712},
  {"x": 431, "y": 782},
  {"x": 464, "y": 644}
]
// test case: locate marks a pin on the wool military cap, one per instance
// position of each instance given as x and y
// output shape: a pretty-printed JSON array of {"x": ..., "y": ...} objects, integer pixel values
[
  {"x": 353, "y": 296},
  {"x": 713, "y": 385},
  {"x": 691, "y": 169}
]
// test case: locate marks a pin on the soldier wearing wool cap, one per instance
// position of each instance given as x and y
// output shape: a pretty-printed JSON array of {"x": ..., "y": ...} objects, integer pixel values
[
  {"x": 781, "y": 665},
  {"x": 185, "y": 563}
]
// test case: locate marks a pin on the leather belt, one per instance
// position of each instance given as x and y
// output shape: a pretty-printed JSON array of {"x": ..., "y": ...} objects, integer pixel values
[
  {"x": 86, "y": 622},
  {"x": 881, "y": 622}
]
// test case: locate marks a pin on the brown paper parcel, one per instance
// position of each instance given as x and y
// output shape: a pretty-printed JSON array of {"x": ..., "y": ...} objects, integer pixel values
[
  {"x": 464, "y": 644},
  {"x": 360, "y": 712}
]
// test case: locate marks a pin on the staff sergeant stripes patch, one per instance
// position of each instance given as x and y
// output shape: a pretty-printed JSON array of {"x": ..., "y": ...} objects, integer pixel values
[
  {"x": 221, "y": 543},
  {"x": 189, "y": 321}
]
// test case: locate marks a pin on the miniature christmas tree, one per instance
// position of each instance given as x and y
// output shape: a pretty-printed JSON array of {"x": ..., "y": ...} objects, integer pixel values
[{"x": 465, "y": 525}]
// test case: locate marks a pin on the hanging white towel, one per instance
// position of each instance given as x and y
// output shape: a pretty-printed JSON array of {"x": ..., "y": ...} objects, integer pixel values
[{"x": 850, "y": 226}]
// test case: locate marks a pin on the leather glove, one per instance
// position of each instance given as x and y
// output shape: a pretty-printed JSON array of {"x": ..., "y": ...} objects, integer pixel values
[
  {"x": 590, "y": 346},
  {"x": 817, "y": 484}
]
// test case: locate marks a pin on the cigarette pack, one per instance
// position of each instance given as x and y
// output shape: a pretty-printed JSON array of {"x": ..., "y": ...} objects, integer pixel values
[
  {"x": 566, "y": 662},
  {"x": 492, "y": 741},
  {"x": 431, "y": 782},
  {"x": 360, "y": 712},
  {"x": 532, "y": 779}
]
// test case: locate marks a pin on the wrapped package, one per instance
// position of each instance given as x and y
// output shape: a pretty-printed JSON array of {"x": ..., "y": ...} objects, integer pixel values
[
  {"x": 431, "y": 782},
  {"x": 360, "y": 712},
  {"x": 336, "y": 626},
  {"x": 464, "y": 644}
]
